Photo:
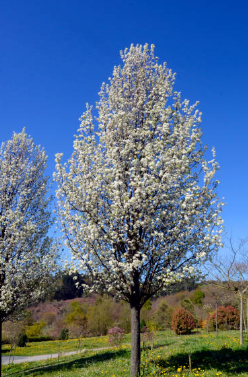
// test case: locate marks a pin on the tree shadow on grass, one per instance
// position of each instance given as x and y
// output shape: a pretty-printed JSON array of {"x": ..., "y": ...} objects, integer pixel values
[
  {"x": 148, "y": 346},
  {"x": 80, "y": 362},
  {"x": 225, "y": 360}
]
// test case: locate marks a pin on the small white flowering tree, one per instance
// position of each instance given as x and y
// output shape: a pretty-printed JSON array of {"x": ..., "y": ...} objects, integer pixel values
[
  {"x": 27, "y": 257},
  {"x": 137, "y": 201}
]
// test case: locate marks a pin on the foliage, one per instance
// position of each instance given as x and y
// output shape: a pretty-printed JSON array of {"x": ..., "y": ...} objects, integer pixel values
[
  {"x": 27, "y": 255},
  {"x": 124, "y": 320},
  {"x": 76, "y": 319},
  {"x": 182, "y": 322},
  {"x": 116, "y": 336},
  {"x": 162, "y": 316},
  {"x": 147, "y": 335},
  {"x": 40, "y": 338},
  {"x": 142, "y": 324},
  {"x": 197, "y": 297},
  {"x": 64, "y": 335},
  {"x": 137, "y": 200},
  {"x": 187, "y": 304},
  {"x": 11, "y": 332},
  {"x": 99, "y": 316},
  {"x": 67, "y": 288},
  {"x": 35, "y": 330},
  {"x": 227, "y": 318},
  {"x": 22, "y": 340}
]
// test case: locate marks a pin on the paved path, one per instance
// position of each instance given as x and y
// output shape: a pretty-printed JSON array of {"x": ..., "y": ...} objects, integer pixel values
[{"x": 26, "y": 359}]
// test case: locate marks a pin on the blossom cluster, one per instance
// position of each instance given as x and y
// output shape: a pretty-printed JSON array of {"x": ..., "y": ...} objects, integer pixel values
[
  {"x": 26, "y": 252},
  {"x": 137, "y": 199}
]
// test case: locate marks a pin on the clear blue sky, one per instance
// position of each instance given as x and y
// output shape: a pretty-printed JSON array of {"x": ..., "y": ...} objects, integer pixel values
[{"x": 54, "y": 55}]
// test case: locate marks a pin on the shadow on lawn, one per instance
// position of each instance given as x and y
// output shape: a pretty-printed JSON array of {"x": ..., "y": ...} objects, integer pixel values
[
  {"x": 225, "y": 360},
  {"x": 81, "y": 362}
]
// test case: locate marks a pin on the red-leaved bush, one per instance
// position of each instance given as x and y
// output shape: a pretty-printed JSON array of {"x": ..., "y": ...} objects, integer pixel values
[
  {"x": 182, "y": 321},
  {"x": 227, "y": 318}
]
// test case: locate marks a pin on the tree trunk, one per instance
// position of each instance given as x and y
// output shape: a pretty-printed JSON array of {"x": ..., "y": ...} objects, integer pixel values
[
  {"x": 247, "y": 314},
  {"x": 1, "y": 323},
  {"x": 244, "y": 319},
  {"x": 216, "y": 318},
  {"x": 135, "y": 341},
  {"x": 241, "y": 321}
]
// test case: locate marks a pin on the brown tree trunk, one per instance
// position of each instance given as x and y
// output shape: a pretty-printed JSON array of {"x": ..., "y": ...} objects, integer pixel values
[
  {"x": 135, "y": 341},
  {"x": 241, "y": 321}
]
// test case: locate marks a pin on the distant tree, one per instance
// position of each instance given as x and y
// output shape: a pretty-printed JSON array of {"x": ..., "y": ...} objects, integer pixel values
[
  {"x": 137, "y": 200},
  {"x": 230, "y": 273},
  {"x": 27, "y": 257},
  {"x": 187, "y": 304},
  {"x": 197, "y": 297},
  {"x": 35, "y": 330},
  {"x": 99, "y": 316},
  {"x": 162, "y": 316},
  {"x": 145, "y": 313},
  {"x": 67, "y": 288},
  {"x": 187, "y": 283},
  {"x": 76, "y": 319},
  {"x": 124, "y": 321}
]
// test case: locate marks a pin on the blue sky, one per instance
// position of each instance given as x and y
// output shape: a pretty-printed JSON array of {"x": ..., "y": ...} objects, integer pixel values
[{"x": 54, "y": 55}]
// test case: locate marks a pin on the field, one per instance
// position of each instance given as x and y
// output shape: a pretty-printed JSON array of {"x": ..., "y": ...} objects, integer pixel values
[{"x": 210, "y": 356}]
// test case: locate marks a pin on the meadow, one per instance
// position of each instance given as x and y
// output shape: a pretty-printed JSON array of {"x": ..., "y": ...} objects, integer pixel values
[{"x": 210, "y": 354}]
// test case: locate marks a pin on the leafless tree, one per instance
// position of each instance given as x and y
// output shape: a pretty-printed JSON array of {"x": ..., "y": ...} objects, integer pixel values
[{"x": 230, "y": 272}]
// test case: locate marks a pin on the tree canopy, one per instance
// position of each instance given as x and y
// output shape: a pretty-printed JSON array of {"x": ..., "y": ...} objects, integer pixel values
[
  {"x": 27, "y": 257},
  {"x": 137, "y": 199}
]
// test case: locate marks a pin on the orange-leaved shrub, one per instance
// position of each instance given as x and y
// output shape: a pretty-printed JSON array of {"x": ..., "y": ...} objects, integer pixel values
[{"x": 182, "y": 321}]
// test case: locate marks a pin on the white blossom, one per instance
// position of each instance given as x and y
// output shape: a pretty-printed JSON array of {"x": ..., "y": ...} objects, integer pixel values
[
  {"x": 26, "y": 252},
  {"x": 137, "y": 199}
]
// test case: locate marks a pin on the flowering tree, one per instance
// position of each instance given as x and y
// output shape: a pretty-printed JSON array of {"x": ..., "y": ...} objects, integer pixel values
[
  {"x": 26, "y": 253},
  {"x": 116, "y": 336},
  {"x": 137, "y": 201}
]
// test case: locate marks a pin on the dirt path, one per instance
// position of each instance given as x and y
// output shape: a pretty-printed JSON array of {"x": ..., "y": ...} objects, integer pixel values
[{"x": 27, "y": 359}]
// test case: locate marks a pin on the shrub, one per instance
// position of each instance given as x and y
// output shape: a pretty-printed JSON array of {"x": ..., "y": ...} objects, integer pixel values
[
  {"x": 227, "y": 318},
  {"x": 182, "y": 322},
  {"x": 116, "y": 336},
  {"x": 142, "y": 324},
  {"x": 147, "y": 335},
  {"x": 39, "y": 339},
  {"x": 22, "y": 340},
  {"x": 201, "y": 323},
  {"x": 64, "y": 334},
  {"x": 35, "y": 330}
]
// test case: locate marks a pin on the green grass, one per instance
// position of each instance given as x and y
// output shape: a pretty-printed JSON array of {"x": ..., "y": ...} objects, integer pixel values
[
  {"x": 211, "y": 356},
  {"x": 49, "y": 347}
]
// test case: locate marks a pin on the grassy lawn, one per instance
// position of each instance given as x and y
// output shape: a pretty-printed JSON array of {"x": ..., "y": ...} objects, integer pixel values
[
  {"x": 211, "y": 356},
  {"x": 49, "y": 347}
]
